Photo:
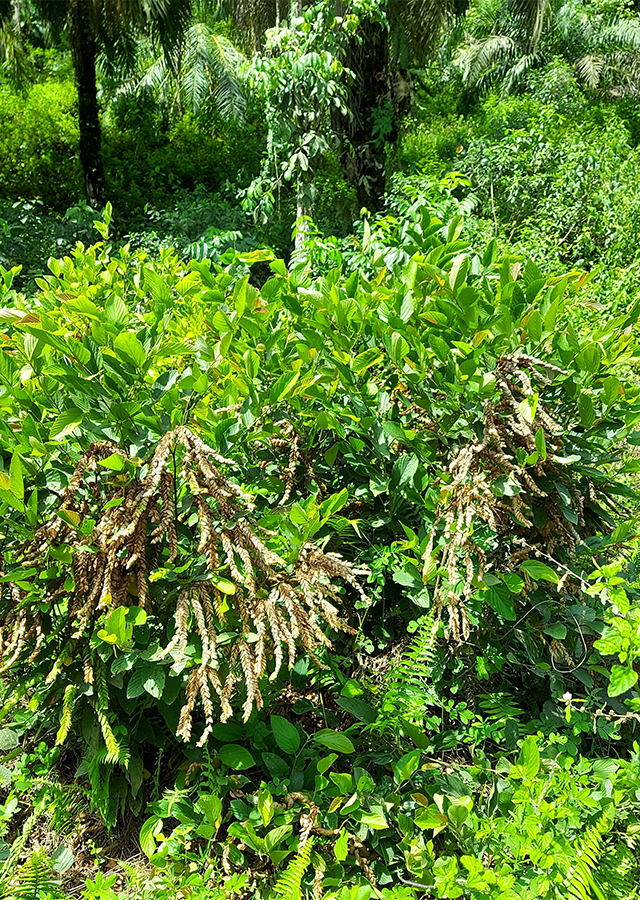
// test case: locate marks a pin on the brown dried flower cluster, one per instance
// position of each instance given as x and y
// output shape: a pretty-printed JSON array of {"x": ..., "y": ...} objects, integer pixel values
[
  {"x": 469, "y": 498},
  {"x": 250, "y": 588},
  {"x": 288, "y": 440}
]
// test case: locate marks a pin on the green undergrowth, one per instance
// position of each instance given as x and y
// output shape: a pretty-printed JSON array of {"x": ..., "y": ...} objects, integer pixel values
[{"x": 419, "y": 406}]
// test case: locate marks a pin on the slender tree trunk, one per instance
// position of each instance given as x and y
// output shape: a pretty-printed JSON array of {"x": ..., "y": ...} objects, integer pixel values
[
  {"x": 305, "y": 181},
  {"x": 83, "y": 47},
  {"x": 365, "y": 161}
]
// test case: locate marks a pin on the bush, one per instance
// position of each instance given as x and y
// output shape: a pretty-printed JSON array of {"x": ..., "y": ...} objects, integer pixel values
[
  {"x": 39, "y": 144},
  {"x": 184, "y": 456}
]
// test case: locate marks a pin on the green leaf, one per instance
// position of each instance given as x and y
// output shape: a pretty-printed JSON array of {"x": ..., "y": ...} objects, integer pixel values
[
  {"x": 62, "y": 859},
  {"x": 323, "y": 764},
  {"x": 404, "y": 768},
  {"x": 211, "y": 806},
  {"x": 8, "y": 739},
  {"x": 286, "y": 735},
  {"x": 334, "y": 740},
  {"x": 251, "y": 363},
  {"x": 129, "y": 349},
  {"x": 65, "y": 423},
  {"x": 115, "y": 462},
  {"x": 539, "y": 571},
  {"x": 223, "y": 584},
  {"x": 283, "y": 386},
  {"x": 557, "y": 631},
  {"x": 148, "y": 831},
  {"x": 529, "y": 759},
  {"x": 375, "y": 820},
  {"x": 341, "y": 846},
  {"x": 276, "y": 836},
  {"x": 366, "y": 360},
  {"x": 236, "y": 757},
  {"x": 359, "y": 709},
  {"x": 148, "y": 678},
  {"x": 277, "y": 767},
  {"x": 500, "y": 599},
  {"x": 404, "y": 469},
  {"x": 586, "y": 410},
  {"x": 265, "y": 805},
  {"x": 16, "y": 483},
  {"x": 622, "y": 679},
  {"x": 513, "y": 582},
  {"x": 430, "y": 818}
]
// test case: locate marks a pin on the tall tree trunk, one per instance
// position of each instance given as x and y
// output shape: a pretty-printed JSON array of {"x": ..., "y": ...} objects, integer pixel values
[
  {"x": 305, "y": 180},
  {"x": 83, "y": 46},
  {"x": 364, "y": 162}
]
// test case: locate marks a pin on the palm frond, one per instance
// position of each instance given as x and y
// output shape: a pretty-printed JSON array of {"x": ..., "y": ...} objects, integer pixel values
[
  {"x": 518, "y": 71},
  {"x": 416, "y": 26},
  {"x": 210, "y": 70},
  {"x": 529, "y": 18},
  {"x": 590, "y": 69},
  {"x": 484, "y": 57}
]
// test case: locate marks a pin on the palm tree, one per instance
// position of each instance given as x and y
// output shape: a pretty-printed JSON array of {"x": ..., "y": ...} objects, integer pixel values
[
  {"x": 108, "y": 27},
  {"x": 390, "y": 40},
  {"x": 380, "y": 94},
  {"x": 606, "y": 54},
  {"x": 207, "y": 71},
  {"x": 504, "y": 41},
  {"x": 508, "y": 38}
]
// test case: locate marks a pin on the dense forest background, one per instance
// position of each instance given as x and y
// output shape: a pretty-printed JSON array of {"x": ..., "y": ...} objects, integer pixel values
[{"x": 319, "y": 417}]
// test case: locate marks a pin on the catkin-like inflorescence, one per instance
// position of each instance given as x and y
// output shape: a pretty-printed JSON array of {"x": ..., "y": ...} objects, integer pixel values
[
  {"x": 267, "y": 611},
  {"x": 513, "y": 426}
]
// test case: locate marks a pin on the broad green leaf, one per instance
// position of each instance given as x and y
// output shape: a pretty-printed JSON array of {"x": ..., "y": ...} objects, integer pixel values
[
  {"x": 286, "y": 735},
  {"x": 283, "y": 386},
  {"x": 251, "y": 363},
  {"x": 323, "y": 764},
  {"x": 151, "y": 827},
  {"x": 129, "y": 349},
  {"x": 500, "y": 599},
  {"x": 341, "y": 846},
  {"x": 557, "y": 631},
  {"x": 149, "y": 678},
  {"x": 276, "y": 836},
  {"x": 8, "y": 739},
  {"x": 236, "y": 757},
  {"x": 65, "y": 423},
  {"x": 623, "y": 678},
  {"x": 277, "y": 767},
  {"x": 62, "y": 859},
  {"x": 211, "y": 806},
  {"x": 223, "y": 584},
  {"x": 334, "y": 740},
  {"x": 265, "y": 805},
  {"x": 431, "y": 818},
  {"x": 529, "y": 759},
  {"x": 366, "y": 360},
  {"x": 375, "y": 820},
  {"x": 404, "y": 768},
  {"x": 539, "y": 571},
  {"x": 16, "y": 483},
  {"x": 114, "y": 462}
]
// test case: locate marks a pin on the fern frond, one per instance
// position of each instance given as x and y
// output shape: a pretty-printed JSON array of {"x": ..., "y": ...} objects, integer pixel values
[
  {"x": 67, "y": 713},
  {"x": 289, "y": 885},
  {"x": 582, "y": 879},
  {"x": 8, "y": 866},
  {"x": 116, "y": 753},
  {"x": 409, "y": 681},
  {"x": 35, "y": 879}
]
